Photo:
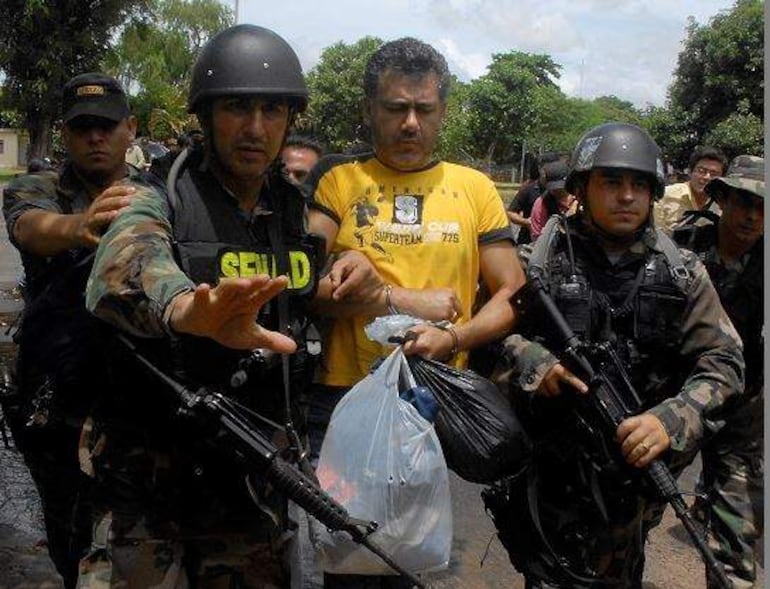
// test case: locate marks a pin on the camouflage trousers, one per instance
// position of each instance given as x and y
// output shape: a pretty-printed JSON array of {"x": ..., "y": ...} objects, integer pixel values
[
  {"x": 558, "y": 539},
  {"x": 129, "y": 553},
  {"x": 162, "y": 522},
  {"x": 732, "y": 478}
]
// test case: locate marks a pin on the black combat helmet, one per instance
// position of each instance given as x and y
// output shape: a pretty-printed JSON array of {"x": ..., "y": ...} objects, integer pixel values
[
  {"x": 247, "y": 59},
  {"x": 617, "y": 145}
]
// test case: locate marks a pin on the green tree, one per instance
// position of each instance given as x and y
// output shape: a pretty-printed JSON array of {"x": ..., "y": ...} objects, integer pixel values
[
  {"x": 154, "y": 56},
  {"x": 454, "y": 132},
  {"x": 718, "y": 85},
  {"x": 335, "y": 115},
  {"x": 502, "y": 103},
  {"x": 741, "y": 132},
  {"x": 42, "y": 45}
]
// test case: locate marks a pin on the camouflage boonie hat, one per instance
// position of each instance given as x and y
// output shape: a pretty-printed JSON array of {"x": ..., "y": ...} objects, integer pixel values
[{"x": 746, "y": 172}]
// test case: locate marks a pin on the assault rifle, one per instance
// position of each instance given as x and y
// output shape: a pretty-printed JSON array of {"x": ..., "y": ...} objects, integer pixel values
[
  {"x": 248, "y": 441},
  {"x": 612, "y": 401}
]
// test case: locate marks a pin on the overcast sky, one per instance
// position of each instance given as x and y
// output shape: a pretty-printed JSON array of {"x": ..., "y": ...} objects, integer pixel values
[{"x": 623, "y": 47}]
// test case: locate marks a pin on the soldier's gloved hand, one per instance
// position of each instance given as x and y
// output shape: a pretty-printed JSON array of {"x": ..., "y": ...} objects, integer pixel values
[
  {"x": 103, "y": 209},
  {"x": 642, "y": 439},
  {"x": 555, "y": 377},
  {"x": 354, "y": 278},
  {"x": 227, "y": 313}
]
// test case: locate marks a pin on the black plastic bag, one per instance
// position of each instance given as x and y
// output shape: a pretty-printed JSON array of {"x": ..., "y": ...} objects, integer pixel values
[{"x": 480, "y": 435}]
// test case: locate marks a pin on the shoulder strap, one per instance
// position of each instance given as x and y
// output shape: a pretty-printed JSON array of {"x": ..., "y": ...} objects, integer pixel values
[
  {"x": 541, "y": 251},
  {"x": 679, "y": 272},
  {"x": 174, "y": 172}
]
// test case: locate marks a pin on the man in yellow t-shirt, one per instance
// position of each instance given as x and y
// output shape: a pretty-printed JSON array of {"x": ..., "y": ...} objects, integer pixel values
[
  {"x": 706, "y": 163},
  {"x": 429, "y": 228}
]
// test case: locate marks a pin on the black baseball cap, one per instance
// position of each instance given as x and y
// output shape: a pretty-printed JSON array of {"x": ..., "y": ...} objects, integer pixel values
[
  {"x": 555, "y": 175},
  {"x": 96, "y": 95}
]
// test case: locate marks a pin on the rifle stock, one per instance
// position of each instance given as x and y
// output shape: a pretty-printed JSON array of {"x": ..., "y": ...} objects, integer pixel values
[
  {"x": 613, "y": 405},
  {"x": 250, "y": 442}
]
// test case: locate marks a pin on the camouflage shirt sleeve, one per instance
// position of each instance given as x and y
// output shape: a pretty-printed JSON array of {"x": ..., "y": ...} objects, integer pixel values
[
  {"x": 712, "y": 347},
  {"x": 135, "y": 274},
  {"x": 27, "y": 193},
  {"x": 527, "y": 361}
]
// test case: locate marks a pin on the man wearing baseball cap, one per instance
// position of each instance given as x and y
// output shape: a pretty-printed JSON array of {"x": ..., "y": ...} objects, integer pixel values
[
  {"x": 55, "y": 220},
  {"x": 554, "y": 201},
  {"x": 731, "y": 247}
]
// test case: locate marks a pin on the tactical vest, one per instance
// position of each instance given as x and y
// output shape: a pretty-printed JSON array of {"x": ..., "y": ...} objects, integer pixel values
[
  {"x": 213, "y": 238},
  {"x": 638, "y": 309}
]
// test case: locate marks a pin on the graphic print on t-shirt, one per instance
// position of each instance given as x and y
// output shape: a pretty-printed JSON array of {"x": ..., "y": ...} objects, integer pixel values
[{"x": 407, "y": 209}]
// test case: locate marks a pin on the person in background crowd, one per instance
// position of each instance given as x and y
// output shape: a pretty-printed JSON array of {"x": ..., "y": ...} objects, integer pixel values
[
  {"x": 135, "y": 156},
  {"x": 554, "y": 201},
  {"x": 299, "y": 155},
  {"x": 162, "y": 165},
  {"x": 706, "y": 163}
]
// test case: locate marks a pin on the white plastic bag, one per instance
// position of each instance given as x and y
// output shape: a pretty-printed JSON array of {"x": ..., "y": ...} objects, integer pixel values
[{"x": 382, "y": 461}]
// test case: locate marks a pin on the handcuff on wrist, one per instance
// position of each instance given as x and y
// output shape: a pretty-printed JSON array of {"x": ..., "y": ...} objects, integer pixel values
[
  {"x": 448, "y": 327},
  {"x": 392, "y": 309}
]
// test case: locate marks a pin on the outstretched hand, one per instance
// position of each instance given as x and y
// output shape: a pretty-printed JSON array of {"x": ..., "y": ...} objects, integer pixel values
[{"x": 227, "y": 313}]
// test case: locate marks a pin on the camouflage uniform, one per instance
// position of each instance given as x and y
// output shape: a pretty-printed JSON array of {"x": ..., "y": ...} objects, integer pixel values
[
  {"x": 733, "y": 461},
  {"x": 171, "y": 510},
  {"x": 575, "y": 517},
  {"x": 59, "y": 359}
]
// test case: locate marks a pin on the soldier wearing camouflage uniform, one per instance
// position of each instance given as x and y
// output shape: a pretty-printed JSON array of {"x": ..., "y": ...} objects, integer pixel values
[
  {"x": 731, "y": 248},
  {"x": 575, "y": 516},
  {"x": 55, "y": 220},
  {"x": 190, "y": 269}
]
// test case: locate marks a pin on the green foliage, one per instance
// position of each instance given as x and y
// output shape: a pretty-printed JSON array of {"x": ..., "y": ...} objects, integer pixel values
[
  {"x": 335, "y": 114},
  {"x": 501, "y": 112},
  {"x": 43, "y": 44},
  {"x": 718, "y": 86},
  {"x": 455, "y": 131},
  {"x": 154, "y": 56},
  {"x": 741, "y": 132}
]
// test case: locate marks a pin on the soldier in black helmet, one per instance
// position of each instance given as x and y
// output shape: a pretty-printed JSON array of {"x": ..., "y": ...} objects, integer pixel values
[
  {"x": 575, "y": 517},
  {"x": 190, "y": 268}
]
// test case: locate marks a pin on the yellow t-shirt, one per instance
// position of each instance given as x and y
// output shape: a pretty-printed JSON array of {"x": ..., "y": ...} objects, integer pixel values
[{"x": 420, "y": 230}]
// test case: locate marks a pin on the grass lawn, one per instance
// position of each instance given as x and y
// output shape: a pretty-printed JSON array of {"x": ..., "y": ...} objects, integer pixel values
[{"x": 7, "y": 174}]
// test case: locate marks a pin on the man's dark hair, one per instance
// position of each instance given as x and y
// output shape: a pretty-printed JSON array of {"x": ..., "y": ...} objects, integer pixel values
[
  {"x": 407, "y": 56},
  {"x": 705, "y": 152},
  {"x": 305, "y": 142}
]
